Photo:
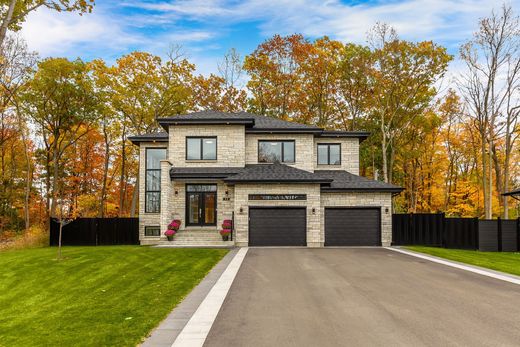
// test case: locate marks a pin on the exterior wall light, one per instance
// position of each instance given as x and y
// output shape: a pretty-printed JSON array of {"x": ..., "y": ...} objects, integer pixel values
[
  {"x": 241, "y": 210},
  {"x": 387, "y": 210},
  {"x": 176, "y": 192},
  {"x": 313, "y": 210}
]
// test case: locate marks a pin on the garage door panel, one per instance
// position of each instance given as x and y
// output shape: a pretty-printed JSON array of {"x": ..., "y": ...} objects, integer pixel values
[
  {"x": 352, "y": 227},
  {"x": 277, "y": 227}
]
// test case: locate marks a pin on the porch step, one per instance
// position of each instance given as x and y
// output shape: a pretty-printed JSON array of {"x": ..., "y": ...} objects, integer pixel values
[{"x": 198, "y": 243}]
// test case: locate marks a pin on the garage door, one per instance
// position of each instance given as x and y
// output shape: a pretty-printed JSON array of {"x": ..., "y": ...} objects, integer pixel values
[
  {"x": 352, "y": 227},
  {"x": 277, "y": 226}
]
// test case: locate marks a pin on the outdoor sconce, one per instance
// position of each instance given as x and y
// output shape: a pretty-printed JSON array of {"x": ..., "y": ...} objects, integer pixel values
[
  {"x": 313, "y": 210},
  {"x": 241, "y": 210},
  {"x": 226, "y": 193},
  {"x": 386, "y": 210},
  {"x": 176, "y": 192}
]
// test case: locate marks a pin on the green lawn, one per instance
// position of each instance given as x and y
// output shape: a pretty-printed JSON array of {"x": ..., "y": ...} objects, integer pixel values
[
  {"x": 96, "y": 296},
  {"x": 501, "y": 261}
]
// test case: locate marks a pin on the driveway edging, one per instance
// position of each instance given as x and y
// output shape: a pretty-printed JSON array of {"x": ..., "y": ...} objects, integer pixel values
[
  {"x": 167, "y": 331},
  {"x": 471, "y": 268},
  {"x": 196, "y": 330}
]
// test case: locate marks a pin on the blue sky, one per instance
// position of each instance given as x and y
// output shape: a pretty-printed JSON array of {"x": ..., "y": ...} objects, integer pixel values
[{"x": 207, "y": 29}]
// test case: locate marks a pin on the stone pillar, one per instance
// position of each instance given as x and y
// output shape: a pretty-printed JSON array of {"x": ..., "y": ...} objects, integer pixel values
[{"x": 166, "y": 196}]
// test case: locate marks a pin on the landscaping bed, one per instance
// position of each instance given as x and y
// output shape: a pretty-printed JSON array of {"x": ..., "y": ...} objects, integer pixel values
[
  {"x": 508, "y": 262},
  {"x": 95, "y": 296}
]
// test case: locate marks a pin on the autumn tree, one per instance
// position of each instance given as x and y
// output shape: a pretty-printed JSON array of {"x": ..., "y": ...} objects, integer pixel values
[
  {"x": 402, "y": 86},
  {"x": 60, "y": 99},
  {"x": 490, "y": 88}
]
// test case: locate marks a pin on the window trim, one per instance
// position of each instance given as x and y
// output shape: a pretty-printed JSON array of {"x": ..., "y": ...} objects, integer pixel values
[
  {"x": 146, "y": 210},
  {"x": 201, "y": 138},
  {"x": 328, "y": 144},
  {"x": 283, "y": 154},
  {"x": 152, "y": 226}
]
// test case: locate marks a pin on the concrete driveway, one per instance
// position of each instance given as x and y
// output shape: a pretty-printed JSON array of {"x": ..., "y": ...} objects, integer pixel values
[{"x": 362, "y": 297}]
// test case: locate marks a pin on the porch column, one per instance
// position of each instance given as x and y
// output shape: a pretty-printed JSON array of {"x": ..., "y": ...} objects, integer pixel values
[{"x": 166, "y": 196}]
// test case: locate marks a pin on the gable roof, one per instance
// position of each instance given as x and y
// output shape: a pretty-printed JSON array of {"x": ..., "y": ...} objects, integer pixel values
[
  {"x": 346, "y": 181},
  {"x": 275, "y": 173}
]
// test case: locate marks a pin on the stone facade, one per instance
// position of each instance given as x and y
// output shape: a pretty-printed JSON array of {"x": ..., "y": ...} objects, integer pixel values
[
  {"x": 303, "y": 148},
  {"x": 235, "y": 148},
  {"x": 383, "y": 200},
  {"x": 312, "y": 191},
  {"x": 230, "y": 145},
  {"x": 349, "y": 154}
]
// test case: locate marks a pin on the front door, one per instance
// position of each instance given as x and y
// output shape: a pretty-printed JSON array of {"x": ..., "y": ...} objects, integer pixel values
[{"x": 201, "y": 204}]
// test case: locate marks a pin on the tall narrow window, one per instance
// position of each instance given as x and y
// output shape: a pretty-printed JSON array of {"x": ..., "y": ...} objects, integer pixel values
[
  {"x": 276, "y": 151},
  {"x": 329, "y": 154},
  {"x": 201, "y": 148},
  {"x": 152, "y": 195}
]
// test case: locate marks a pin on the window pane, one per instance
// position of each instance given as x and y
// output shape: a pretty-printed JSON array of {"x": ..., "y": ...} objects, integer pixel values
[
  {"x": 288, "y": 152},
  {"x": 193, "y": 149},
  {"x": 209, "y": 149},
  {"x": 269, "y": 152},
  {"x": 153, "y": 201},
  {"x": 153, "y": 180},
  {"x": 334, "y": 155},
  {"x": 201, "y": 188},
  {"x": 154, "y": 157},
  {"x": 322, "y": 155},
  {"x": 152, "y": 231}
]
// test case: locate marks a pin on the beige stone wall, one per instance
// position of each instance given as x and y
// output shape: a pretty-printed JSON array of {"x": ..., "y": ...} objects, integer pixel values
[
  {"x": 383, "y": 200},
  {"x": 178, "y": 202},
  {"x": 147, "y": 219},
  {"x": 349, "y": 154},
  {"x": 242, "y": 192},
  {"x": 303, "y": 148},
  {"x": 230, "y": 145}
]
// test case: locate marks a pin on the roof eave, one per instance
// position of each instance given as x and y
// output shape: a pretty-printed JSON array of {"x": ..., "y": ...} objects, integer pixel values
[
  {"x": 231, "y": 180},
  {"x": 136, "y": 140},
  {"x": 361, "y": 190}
]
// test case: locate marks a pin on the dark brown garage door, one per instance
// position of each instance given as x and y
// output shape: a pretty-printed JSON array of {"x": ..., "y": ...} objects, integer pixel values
[
  {"x": 277, "y": 226},
  {"x": 352, "y": 227}
]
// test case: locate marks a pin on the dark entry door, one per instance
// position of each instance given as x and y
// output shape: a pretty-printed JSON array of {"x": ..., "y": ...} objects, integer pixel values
[
  {"x": 277, "y": 226},
  {"x": 352, "y": 227},
  {"x": 201, "y": 204}
]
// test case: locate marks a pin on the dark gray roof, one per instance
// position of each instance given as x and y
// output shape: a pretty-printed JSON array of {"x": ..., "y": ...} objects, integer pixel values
[
  {"x": 275, "y": 173},
  {"x": 345, "y": 181},
  {"x": 253, "y": 121},
  {"x": 512, "y": 193},
  {"x": 203, "y": 172},
  {"x": 160, "y": 136}
]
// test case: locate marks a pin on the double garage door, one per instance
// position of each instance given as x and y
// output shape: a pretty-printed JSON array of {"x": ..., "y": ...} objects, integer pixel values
[{"x": 276, "y": 226}]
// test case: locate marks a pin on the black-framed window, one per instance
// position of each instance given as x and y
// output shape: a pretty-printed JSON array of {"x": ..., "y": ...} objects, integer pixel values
[
  {"x": 201, "y": 148},
  {"x": 281, "y": 151},
  {"x": 152, "y": 194},
  {"x": 152, "y": 231},
  {"x": 329, "y": 154}
]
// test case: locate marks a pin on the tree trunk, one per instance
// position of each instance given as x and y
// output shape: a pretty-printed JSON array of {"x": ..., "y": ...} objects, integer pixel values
[
  {"x": 55, "y": 160},
  {"x": 105, "y": 174},
  {"x": 122, "y": 176},
  {"x": 6, "y": 21}
]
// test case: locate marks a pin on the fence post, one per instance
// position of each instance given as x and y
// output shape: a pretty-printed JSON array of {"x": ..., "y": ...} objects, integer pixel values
[
  {"x": 518, "y": 234},
  {"x": 477, "y": 233},
  {"x": 499, "y": 234}
]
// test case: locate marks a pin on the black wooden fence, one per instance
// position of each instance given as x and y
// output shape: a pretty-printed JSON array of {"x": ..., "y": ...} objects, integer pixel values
[
  {"x": 434, "y": 229},
  {"x": 96, "y": 231}
]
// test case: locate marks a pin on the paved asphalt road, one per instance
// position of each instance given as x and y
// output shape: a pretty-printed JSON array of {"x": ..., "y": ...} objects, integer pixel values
[{"x": 362, "y": 297}]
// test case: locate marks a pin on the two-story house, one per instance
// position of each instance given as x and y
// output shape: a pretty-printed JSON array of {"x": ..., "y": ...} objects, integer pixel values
[{"x": 282, "y": 183}]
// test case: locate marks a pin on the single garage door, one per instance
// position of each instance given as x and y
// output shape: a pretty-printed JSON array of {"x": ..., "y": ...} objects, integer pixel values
[
  {"x": 352, "y": 227},
  {"x": 277, "y": 226}
]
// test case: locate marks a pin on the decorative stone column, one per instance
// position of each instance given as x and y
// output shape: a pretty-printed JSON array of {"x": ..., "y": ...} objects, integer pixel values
[{"x": 166, "y": 196}]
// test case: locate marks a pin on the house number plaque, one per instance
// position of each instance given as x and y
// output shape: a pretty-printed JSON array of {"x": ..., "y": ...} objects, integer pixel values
[{"x": 277, "y": 197}]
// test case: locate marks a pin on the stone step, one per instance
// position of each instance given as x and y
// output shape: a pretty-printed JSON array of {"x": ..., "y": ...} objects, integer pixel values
[{"x": 195, "y": 243}]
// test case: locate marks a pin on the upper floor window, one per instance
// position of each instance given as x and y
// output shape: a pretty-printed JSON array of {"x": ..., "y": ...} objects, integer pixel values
[
  {"x": 152, "y": 195},
  {"x": 201, "y": 148},
  {"x": 276, "y": 151},
  {"x": 329, "y": 154}
]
